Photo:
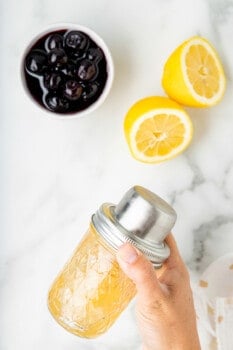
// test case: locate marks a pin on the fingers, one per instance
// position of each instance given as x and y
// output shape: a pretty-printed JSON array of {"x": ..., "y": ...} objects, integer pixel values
[
  {"x": 153, "y": 285},
  {"x": 141, "y": 271},
  {"x": 174, "y": 260},
  {"x": 174, "y": 269}
]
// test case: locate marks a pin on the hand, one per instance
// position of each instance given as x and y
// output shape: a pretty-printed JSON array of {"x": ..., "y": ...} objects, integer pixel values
[{"x": 165, "y": 310}]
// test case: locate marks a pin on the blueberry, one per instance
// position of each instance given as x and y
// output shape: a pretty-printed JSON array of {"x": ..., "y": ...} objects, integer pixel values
[
  {"x": 56, "y": 103},
  {"x": 73, "y": 90},
  {"x": 52, "y": 81},
  {"x": 36, "y": 62},
  {"x": 87, "y": 70},
  {"x": 57, "y": 57},
  {"x": 95, "y": 54},
  {"x": 53, "y": 41},
  {"x": 90, "y": 91},
  {"x": 76, "y": 40}
]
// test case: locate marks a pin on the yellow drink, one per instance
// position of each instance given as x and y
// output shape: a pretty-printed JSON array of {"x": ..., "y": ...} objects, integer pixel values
[{"x": 91, "y": 291}]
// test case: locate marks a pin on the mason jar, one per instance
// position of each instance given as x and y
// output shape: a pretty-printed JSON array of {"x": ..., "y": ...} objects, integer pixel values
[{"x": 91, "y": 290}]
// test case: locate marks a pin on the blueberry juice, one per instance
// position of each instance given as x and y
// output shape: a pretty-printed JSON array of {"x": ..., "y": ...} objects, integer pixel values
[{"x": 65, "y": 71}]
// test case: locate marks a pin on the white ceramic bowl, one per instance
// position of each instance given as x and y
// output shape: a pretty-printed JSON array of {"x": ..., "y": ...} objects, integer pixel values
[{"x": 110, "y": 68}]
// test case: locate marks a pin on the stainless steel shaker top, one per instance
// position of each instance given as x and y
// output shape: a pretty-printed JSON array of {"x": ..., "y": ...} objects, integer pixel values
[{"x": 141, "y": 218}]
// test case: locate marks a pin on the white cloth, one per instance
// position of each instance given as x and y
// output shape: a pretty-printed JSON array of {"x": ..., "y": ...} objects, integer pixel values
[
  {"x": 213, "y": 297},
  {"x": 224, "y": 323}
]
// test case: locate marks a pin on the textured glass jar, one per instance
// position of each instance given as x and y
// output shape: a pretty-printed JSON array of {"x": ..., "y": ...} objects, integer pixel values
[{"x": 91, "y": 291}]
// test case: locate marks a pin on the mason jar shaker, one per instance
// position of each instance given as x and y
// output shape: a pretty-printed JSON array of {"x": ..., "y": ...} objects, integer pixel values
[{"x": 91, "y": 291}]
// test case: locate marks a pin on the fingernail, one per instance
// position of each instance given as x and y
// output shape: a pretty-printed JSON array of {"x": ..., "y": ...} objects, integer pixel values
[{"x": 128, "y": 253}]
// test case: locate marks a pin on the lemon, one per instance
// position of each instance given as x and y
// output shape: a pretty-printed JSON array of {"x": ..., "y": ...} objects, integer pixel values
[
  {"x": 156, "y": 129},
  {"x": 193, "y": 75}
]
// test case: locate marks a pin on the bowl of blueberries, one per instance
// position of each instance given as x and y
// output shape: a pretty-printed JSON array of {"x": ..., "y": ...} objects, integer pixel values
[{"x": 67, "y": 70}]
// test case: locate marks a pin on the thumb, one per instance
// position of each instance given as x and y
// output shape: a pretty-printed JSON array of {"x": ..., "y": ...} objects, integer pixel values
[{"x": 141, "y": 272}]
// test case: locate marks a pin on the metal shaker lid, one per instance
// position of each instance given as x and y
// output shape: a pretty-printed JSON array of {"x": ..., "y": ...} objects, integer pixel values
[{"x": 141, "y": 218}]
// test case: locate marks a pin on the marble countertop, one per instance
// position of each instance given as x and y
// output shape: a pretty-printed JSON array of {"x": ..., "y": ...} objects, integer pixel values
[{"x": 56, "y": 173}]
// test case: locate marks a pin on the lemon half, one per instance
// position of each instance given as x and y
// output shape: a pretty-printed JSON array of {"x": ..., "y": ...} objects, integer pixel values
[
  {"x": 156, "y": 129},
  {"x": 193, "y": 74}
]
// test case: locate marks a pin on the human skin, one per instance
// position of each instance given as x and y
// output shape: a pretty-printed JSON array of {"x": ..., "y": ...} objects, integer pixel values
[{"x": 165, "y": 310}]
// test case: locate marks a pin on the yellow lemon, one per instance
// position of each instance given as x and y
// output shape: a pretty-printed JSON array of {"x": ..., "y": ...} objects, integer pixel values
[
  {"x": 193, "y": 75},
  {"x": 157, "y": 129}
]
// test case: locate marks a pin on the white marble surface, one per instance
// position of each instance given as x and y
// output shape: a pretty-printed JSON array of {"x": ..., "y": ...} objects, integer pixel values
[{"x": 57, "y": 172}]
